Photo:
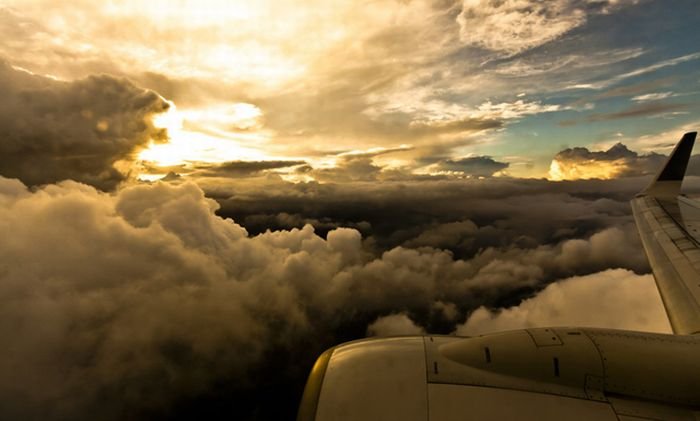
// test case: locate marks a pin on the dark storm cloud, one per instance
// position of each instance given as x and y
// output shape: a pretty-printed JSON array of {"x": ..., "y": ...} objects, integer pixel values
[
  {"x": 242, "y": 168},
  {"x": 481, "y": 166},
  {"x": 143, "y": 304},
  {"x": 52, "y": 130}
]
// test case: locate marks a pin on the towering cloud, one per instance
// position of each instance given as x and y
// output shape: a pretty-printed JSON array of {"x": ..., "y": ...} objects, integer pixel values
[
  {"x": 618, "y": 161},
  {"x": 53, "y": 130}
]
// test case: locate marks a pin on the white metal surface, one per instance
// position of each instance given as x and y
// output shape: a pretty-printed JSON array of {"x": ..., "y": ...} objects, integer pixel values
[
  {"x": 462, "y": 403},
  {"x": 675, "y": 260},
  {"x": 375, "y": 380}
]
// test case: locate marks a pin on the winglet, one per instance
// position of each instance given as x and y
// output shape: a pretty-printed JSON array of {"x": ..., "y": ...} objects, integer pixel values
[{"x": 667, "y": 184}]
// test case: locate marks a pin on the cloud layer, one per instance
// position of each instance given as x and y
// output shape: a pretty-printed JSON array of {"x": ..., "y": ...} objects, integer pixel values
[
  {"x": 145, "y": 304},
  {"x": 462, "y": 216}
]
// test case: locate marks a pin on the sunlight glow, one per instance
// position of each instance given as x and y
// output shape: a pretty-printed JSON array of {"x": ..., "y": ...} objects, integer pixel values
[
  {"x": 224, "y": 39},
  {"x": 150, "y": 177},
  {"x": 604, "y": 170},
  {"x": 239, "y": 116},
  {"x": 189, "y": 13},
  {"x": 210, "y": 139}
]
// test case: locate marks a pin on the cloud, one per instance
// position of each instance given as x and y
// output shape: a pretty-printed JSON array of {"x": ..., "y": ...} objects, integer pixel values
[
  {"x": 52, "y": 130},
  {"x": 296, "y": 72},
  {"x": 478, "y": 166},
  {"x": 144, "y": 304},
  {"x": 638, "y": 111},
  {"x": 395, "y": 212},
  {"x": 433, "y": 116},
  {"x": 519, "y": 25},
  {"x": 354, "y": 167},
  {"x": 616, "y": 299},
  {"x": 242, "y": 168},
  {"x": 513, "y": 26},
  {"x": 660, "y": 65},
  {"x": 395, "y": 324},
  {"x": 618, "y": 161},
  {"x": 456, "y": 125},
  {"x": 651, "y": 68},
  {"x": 654, "y": 96},
  {"x": 348, "y": 168},
  {"x": 529, "y": 65},
  {"x": 412, "y": 81},
  {"x": 663, "y": 141}
]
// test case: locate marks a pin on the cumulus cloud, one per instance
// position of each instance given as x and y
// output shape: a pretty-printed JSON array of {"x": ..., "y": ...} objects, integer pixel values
[
  {"x": 616, "y": 298},
  {"x": 52, "y": 130},
  {"x": 618, "y": 161},
  {"x": 143, "y": 302},
  {"x": 392, "y": 325}
]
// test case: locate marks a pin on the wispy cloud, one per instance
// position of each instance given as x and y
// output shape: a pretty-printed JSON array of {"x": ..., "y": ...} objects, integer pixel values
[
  {"x": 637, "y": 72},
  {"x": 655, "y": 96},
  {"x": 513, "y": 26},
  {"x": 648, "y": 109}
]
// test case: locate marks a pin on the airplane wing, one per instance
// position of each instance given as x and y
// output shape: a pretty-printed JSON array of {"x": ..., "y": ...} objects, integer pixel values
[
  {"x": 541, "y": 374},
  {"x": 669, "y": 226}
]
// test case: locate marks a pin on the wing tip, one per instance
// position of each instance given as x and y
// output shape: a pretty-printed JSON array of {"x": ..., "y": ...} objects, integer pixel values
[{"x": 668, "y": 180}]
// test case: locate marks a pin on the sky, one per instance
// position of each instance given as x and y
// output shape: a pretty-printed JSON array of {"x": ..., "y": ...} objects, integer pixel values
[
  {"x": 425, "y": 81},
  {"x": 197, "y": 198}
]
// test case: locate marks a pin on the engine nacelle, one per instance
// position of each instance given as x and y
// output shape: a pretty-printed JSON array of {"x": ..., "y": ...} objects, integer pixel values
[{"x": 586, "y": 371}]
